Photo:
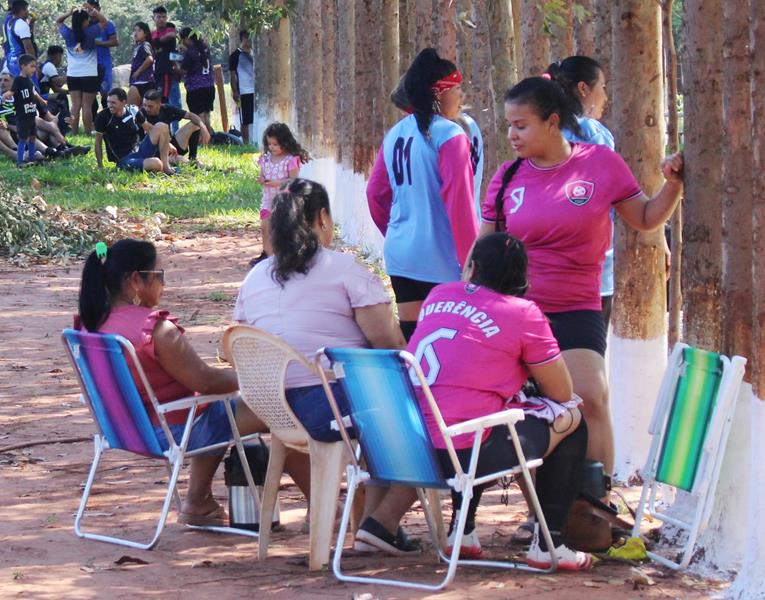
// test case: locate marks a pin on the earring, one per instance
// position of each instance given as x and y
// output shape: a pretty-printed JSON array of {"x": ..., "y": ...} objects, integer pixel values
[
  {"x": 136, "y": 300},
  {"x": 324, "y": 227}
]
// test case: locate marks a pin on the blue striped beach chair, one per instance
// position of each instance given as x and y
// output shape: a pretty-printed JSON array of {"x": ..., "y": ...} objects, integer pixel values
[
  {"x": 397, "y": 449},
  {"x": 110, "y": 392},
  {"x": 690, "y": 426}
]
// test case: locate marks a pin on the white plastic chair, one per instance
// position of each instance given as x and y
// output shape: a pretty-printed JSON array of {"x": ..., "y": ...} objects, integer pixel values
[
  {"x": 261, "y": 361},
  {"x": 111, "y": 395}
]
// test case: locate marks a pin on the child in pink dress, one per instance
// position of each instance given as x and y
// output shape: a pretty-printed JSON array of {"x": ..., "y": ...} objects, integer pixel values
[{"x": 280, "y": 162}]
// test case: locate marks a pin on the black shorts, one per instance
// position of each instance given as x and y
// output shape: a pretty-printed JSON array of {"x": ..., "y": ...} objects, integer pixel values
[
  {"x": 246, "y": 109},
  {"x": 410, "y": 290},
  {"x": 143, "y": 87},
  {"x": 579, "y": 329},
  {"x": 498, "y": 453},
  {"x": 25, "y": 128},
  {"x": 178, "y": 147},
  {"x": 86, "y": 85},
  {"x": 201, "y": 100}
]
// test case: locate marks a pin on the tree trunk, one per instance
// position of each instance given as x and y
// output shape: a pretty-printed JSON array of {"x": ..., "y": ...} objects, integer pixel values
[
  {"x": 515, "y": 6},
  {"x": 445, "y": 27},
  {"x": 368, "y": 105},
  {"x": 482, "y": 85},
  {"x": 737, "y": 182},
  {"x": 536, "y": 44},
  {"x": 702, "y": 231},
  {"x": 405, "y": 40},
  {"x": 465, "y": 35},
  {"x": 638, "y": 350},
  {"x": 279, "y": 71},
  {"x": 328, "y": 75},
  {"x": 675, "y": 300},
  {"x": 315, "y": 74},
  {"x": 603, "y": 46},
  {"x": 562, "y": 42},
  {"x": 345, "y": 78},
  {"x": 584, "y": 29},
  {"x": 504, "y": 74},
  {"x": 390, "y": 60},
  {"x": 423, "y": 18}
]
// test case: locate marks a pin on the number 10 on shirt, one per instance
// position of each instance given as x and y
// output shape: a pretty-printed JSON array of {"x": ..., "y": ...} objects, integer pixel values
[{"x": 402, "y": 159}]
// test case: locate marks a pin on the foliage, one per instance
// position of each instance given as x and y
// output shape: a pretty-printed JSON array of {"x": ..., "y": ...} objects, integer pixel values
[
  {"x": 256, "y": 15},
  {"x": 553, "y": 15}
]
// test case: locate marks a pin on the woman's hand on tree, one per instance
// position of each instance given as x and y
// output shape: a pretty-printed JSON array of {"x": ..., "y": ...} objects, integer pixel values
[{"x": 672, "y": 167}]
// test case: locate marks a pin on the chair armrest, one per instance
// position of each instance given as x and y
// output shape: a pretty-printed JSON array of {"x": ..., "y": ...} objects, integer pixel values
[
  {"x": 503, "y": 417},
  {"x": 188, "y": 402}
]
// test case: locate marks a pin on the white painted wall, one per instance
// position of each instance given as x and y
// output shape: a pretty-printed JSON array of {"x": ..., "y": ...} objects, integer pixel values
[{"x": 636, "y": 368}]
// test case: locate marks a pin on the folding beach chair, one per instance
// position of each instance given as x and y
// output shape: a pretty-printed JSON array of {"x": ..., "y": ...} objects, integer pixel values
[
  {"x": 111, "y": 394},
  {"x": 395, "y": 443},
  {"x": 261, "y": 361},
  {"x": 690, "y": 426}
]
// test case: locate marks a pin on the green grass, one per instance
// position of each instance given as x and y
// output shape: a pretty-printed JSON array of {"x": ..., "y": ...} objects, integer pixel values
[{"x": 225, "y": 193}]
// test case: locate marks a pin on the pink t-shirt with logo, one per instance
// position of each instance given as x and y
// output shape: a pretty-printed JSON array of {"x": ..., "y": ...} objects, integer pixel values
[
  {"x": 561, "y": 214},
  {"x": 313, "y": 310},
  {"x": 474, "y": 346}
]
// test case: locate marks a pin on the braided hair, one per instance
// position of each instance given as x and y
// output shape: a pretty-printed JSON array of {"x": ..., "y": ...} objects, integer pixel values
[{"x": 500, "y": 262}]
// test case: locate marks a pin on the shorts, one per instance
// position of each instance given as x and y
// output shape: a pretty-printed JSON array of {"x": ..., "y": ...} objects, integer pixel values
[
  {"x": 410, "y": 290},
  {"x": 25, "y": 128},
  {"x": 201, "y": 100},
  {"x": 311, "y": 407},
  {"x": 134, "y": 160},
  {"x": 579, "y": 329},
  {"x": 497, "y": 452},
  {"x": 86, "y": 85},
  {"x": 105, "y": 79},
  {"x": 210, "y": 427},
  {"x": 143, "y": 87},
  {"x": 177, "y": 145},
  {"x": 246, "y": 109}
]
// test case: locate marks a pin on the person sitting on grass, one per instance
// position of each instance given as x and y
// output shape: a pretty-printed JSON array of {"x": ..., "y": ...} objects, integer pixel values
[
  {"x": 119, "y": 293},
  {"x": 116, "y": 126},
  {"x": 26, "y": 102},
  {"x": 187, "y": 138}
]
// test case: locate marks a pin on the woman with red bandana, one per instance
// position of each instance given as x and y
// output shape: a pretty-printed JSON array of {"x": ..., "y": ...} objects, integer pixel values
[{"x": 420, "y": 192}]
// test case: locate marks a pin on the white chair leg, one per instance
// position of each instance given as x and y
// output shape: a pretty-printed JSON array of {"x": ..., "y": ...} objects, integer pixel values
[
  {"x": 97, "y": 451},
  {"x": 270, "y": 491},
  {"x": 328, "y": 461}
]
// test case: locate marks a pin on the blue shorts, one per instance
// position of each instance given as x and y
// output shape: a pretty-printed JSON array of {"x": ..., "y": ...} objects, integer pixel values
[
  {"x": 311, "y": 407},
  {"x": 211, "y": 427},
  {"x": 134, "y": 160}
]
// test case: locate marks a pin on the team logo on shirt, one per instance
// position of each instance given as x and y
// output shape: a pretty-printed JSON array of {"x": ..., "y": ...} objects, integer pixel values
[{"x": 579, "y": 192}]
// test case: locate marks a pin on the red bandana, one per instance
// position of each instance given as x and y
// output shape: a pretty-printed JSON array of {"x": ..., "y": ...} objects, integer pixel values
[{"x": 453, "y": 79}]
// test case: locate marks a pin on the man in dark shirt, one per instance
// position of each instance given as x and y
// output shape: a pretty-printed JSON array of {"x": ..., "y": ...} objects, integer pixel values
[
  {"x": 187, "y": 138},
  {"x": 164, "y": 42},
  {"x": 116, "y": 126}
]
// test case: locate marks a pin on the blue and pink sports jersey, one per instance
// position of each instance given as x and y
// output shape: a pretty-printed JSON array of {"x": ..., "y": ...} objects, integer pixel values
[
  {"x": 420, "y": 195},
  {"x": 474, "y": 346},
  {"x": 561, "y": 214}
]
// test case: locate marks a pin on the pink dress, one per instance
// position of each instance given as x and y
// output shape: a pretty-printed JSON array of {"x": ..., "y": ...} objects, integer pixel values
[{"x": 273, "y": 169}]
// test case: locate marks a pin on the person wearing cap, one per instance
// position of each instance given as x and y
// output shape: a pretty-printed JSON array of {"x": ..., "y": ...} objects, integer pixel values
[{"x": 420, "y": 192}]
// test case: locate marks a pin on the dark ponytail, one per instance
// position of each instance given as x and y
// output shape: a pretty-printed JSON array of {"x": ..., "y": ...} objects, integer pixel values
[
  {"x": 500, "y": 263},
  {"x": 426, "y": 69},
  {"x": 569, "y": 72},
  {"x": 294, "y": 212},
  {"x": 499, "y": 200},
  {"x": 102, "y": 281},
  {"x": 547, "y": 98}
]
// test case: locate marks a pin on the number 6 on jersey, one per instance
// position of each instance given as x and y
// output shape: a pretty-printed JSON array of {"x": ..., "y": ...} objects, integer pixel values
[{"x": 425, "y": 349}]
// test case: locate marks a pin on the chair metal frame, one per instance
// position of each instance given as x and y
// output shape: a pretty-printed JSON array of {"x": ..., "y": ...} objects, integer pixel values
[
  {"x": 269, "y": 403},
  {"x": 462, "y": 481},
  {"x": 173, "y": 457},
  {"x": 712, "y": 452}
]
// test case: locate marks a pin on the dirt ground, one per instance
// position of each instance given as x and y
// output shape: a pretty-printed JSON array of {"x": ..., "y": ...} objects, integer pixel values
[{"x": 40, "y": 487}]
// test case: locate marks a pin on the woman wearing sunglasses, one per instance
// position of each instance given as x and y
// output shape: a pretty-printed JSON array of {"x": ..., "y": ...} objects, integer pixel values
[{"x": 120, "y": 289}]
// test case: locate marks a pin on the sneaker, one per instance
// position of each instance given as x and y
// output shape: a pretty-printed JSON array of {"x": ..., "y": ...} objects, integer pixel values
[
  {"x": 373, "y": 537},
  {"x": 524, "y": 534},
  {"x": 568, "y": 559},
  {"x": 470, "y": 547}
]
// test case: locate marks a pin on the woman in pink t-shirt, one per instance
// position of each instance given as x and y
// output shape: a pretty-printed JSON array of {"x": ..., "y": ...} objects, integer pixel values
[
  {"x": 486, "y": 318},
  {"x": 556, "y": 198},
  {"x": 312, "y": 296},
  {"x": 120, "y": 289}
]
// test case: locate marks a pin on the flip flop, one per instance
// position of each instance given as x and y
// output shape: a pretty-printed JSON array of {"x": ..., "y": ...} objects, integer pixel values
[{"x": 216, "y": 517}]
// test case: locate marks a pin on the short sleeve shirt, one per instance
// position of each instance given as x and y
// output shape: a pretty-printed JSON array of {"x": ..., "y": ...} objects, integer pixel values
[
  {"x": 275, "y": 170},
  {"x": 140, "y": 53},
  {"x": 311, "y": 310},
  {"x": 24, "y": 99},
  {"x": 104, "y": 53},
  {"x": 474, "y": 346},
  {"x": 562, "y": 215},
  {"x": 162, "y": 49},
  {"x": 120, "y": 133},
  {"x": 167, "y": 114},
  {"x": 198, "y": 70},
  {"x": 241, "y": 63}
]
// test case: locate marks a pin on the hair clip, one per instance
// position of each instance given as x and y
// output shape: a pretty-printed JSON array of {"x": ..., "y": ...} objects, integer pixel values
[
  {"x": 546, "y": 76},
  {"x": 101, "y": 250}
]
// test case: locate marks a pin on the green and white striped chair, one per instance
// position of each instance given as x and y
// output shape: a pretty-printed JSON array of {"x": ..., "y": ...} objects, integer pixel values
[{"x": 690, "y": 427}]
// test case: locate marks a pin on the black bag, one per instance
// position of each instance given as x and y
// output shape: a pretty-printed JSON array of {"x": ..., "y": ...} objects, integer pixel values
[{"x": 243, "y": 511}]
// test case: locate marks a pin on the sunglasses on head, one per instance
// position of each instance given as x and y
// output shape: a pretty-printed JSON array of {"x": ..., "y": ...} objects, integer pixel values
[{"x": 158, "y": 272}]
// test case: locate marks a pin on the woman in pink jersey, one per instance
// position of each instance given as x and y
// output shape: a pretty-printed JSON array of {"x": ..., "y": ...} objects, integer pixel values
[
  {"x": 485, "y": 318},
  {"x": 119, "y": 292},
  {"x": 556, "y": 198}
]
